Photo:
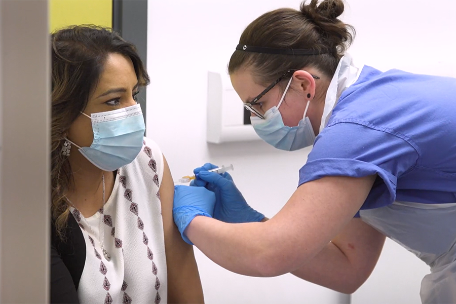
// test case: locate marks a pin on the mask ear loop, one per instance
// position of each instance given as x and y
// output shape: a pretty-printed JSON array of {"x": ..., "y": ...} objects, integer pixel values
[
  {"x": 305, "y": 111},
  {"x": 66, "y": 138},
  {"x": 285, "y": 92},
  {"x": 86, "y": 115},
  {"x": 283, "y": 97}
]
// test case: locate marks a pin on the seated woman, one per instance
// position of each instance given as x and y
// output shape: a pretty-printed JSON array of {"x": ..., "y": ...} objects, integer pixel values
[{"x": 113, "y": 235}]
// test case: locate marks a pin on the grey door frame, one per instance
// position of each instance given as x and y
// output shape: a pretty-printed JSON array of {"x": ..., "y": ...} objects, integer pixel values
[{"x": 24, "y": 151}]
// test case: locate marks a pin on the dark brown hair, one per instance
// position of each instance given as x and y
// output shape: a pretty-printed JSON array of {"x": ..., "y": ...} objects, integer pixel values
[
  {"x": 315, "y": 26},
  {"x": 78, "y": 57}
]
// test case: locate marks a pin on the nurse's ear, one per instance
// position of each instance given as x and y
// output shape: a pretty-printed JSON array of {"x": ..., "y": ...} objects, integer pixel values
[{"x": 305, "y": 83}]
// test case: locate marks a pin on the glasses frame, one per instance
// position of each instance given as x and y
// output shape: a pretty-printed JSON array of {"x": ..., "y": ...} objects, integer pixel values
[{"x": 249, "y": 105}]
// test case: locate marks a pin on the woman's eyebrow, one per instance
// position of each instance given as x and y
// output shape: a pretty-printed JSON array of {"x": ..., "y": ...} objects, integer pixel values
[{"x": 117, "y": 90}]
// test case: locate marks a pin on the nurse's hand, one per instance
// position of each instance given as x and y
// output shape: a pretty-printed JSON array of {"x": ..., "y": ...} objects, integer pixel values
[
  {"x": 190, "y": 202},
  {"x": 231, "y": 206}
]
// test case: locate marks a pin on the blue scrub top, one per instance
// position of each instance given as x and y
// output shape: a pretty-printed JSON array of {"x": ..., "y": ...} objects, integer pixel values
[{"x": 398, "y": 125}]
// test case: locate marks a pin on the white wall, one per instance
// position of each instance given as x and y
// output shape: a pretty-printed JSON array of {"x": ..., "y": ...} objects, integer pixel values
[
  {"x": 188, "y": 38},
  {"x": 413, "y": 35}
]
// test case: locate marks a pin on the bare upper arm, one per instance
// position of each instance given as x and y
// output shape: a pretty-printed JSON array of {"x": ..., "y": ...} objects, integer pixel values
[
  {"x": 361, "y": 244},
  {"x": 184, "y": 285},
  {"x": 346, "y": 262},
  {"x": 317, "y": 212}
]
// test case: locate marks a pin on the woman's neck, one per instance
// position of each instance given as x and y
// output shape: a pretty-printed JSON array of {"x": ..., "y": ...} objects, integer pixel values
[{"x": 86, "y": 190}]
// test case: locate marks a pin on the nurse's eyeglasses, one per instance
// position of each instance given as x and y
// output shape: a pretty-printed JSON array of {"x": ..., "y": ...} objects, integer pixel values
[{"x": 250, "y": 105}]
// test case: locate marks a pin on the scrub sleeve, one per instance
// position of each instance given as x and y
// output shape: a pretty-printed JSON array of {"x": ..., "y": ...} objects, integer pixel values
[{"x": 355, "y": 148}]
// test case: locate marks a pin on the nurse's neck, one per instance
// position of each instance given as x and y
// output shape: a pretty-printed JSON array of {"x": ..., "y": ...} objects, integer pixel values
[{"x": 315, "y": 112}]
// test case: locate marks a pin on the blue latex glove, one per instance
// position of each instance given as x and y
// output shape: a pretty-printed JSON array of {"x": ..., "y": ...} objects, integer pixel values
[
  {"x": 230, "y": 206},
  {"x": 190, "y": 202}
]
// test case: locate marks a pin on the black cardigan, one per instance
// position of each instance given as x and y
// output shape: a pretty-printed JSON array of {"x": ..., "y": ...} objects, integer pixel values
[{"x": 67, "y": 262}]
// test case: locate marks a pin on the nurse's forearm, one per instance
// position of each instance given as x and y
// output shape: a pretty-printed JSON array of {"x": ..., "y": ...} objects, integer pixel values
[
  {"x": 245, "y": 248},
  {"x": 246, "y": 255}
]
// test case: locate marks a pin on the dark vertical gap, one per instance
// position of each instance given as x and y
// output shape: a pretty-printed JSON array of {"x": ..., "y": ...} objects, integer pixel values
[
  {"x": 129, "y": 19},
  {"x": 117, "y": 16},
  {"x": 247, "y": 114}
]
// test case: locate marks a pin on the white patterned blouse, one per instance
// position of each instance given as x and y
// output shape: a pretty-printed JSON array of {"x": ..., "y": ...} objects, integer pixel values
[{"x": 131, "y": 231}]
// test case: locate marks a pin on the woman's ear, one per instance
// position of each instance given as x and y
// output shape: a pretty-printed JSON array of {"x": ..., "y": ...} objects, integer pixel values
[{"x": 305, "y": 83}]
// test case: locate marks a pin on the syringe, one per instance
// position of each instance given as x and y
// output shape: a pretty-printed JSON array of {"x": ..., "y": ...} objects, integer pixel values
[{"x": 219, "y": 170}]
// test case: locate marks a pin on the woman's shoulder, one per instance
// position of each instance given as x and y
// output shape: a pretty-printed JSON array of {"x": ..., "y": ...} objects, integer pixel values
[
  {"x": 147, "y": 166},
  {"x": 148, "y": 142}
]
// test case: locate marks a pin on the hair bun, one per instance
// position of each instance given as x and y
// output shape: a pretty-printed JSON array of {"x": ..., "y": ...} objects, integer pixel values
[
  {"x": 331, "y": 9},
  {"x": 328, "y": 9}
]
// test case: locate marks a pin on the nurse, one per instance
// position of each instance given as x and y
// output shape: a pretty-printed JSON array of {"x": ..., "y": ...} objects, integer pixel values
[{"x": 383, "y": 162}]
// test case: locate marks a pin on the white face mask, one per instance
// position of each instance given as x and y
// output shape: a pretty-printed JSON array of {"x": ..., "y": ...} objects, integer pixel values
[
  {"x": 117, "y": 138},
  {"x": 273, "y": 131}
]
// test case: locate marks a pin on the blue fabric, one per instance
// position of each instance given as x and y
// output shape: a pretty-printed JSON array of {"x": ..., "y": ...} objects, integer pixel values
[{"x": 398, "y": 125}]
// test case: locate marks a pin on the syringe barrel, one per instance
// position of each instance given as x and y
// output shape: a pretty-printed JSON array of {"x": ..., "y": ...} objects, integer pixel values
[{"x": 222, "y": 169}]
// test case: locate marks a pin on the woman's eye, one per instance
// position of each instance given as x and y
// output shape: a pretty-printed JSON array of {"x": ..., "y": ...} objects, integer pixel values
[{"x": 113, "y": 102}]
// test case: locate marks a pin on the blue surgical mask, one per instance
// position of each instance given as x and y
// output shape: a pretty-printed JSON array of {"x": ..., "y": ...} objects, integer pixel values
[
  {"x": 273, "y": 131},
  {"x": 117, "y": 138}
]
